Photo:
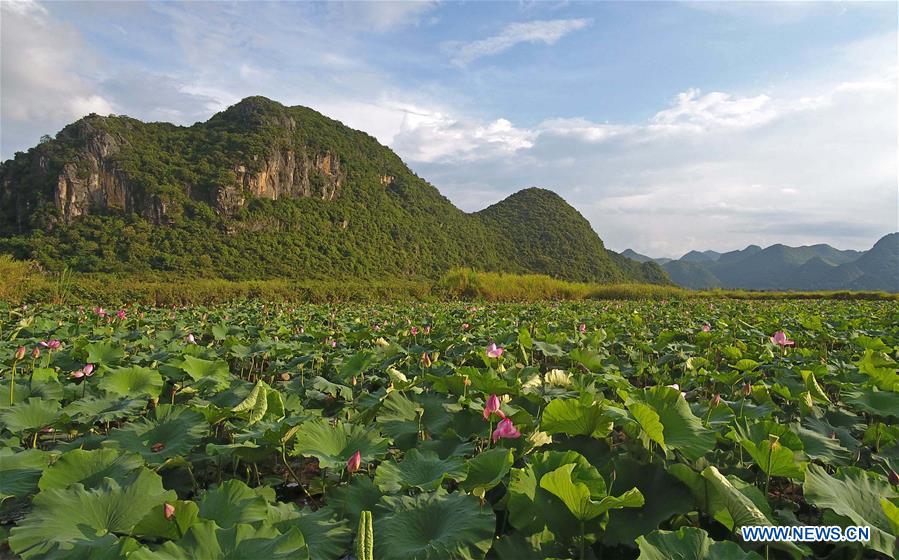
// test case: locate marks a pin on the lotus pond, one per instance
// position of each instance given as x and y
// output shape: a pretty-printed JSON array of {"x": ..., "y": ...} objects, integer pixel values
[{"x": 575, "y": 430}]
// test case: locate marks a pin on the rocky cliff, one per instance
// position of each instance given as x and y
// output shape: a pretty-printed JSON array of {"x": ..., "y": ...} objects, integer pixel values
[{"x": 98, "y": 165}]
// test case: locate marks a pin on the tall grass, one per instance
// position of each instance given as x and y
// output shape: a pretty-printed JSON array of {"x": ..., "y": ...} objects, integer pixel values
[{"x": 23, "y": 282}]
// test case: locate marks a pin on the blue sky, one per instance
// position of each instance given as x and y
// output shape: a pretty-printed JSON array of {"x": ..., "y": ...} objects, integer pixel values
[{"x": 670, "y": 126}]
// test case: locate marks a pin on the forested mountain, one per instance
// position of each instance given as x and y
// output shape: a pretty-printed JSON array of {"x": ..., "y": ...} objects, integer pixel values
[
  {"x": 779, "y": 267},
  {"x": 262, "y": 190}
]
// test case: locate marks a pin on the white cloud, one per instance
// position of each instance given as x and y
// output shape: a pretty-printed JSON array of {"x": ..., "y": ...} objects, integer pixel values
[
  {"x": 42, "y": 90},
  {"x": 716, "y": 171},
  {"x": 538, "y": 31}
]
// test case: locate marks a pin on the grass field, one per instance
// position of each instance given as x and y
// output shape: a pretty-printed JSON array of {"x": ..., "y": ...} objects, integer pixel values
[{"x": 584, "y": 429}]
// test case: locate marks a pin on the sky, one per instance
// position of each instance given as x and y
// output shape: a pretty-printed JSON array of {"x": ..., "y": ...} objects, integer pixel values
[{"x": 670, "y": 126}]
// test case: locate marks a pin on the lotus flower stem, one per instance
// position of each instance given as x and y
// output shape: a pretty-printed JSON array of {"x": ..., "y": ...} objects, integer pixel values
[{"x": 365, "y": 538}]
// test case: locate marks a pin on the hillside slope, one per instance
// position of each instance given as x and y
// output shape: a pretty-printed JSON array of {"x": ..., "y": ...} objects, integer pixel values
[{"x": 261, "y": 190}]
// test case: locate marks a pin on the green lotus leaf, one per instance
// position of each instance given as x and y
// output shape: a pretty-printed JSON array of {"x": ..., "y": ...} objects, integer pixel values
[
  {"x": 333, "y": 445},
  {"x": 351, "y": 500},
  {"x": 487, "y": 469},
  {"x": 103, "y": 409},
  {"x": 855, "y": 495},
  {"x": 211, "y": 374},
  {"x": 20, "y": 471},
  {"x": 90, "y": 468},
  {"x": 741, "y": 509},
  {"x": 649, "y": 421},
  {"x": 689, "y": 543},
  {"x": 881, "y": 368},
  {"x": 683, "y": 431},
  {"x": 419, "y": 469},
  {"x": 774, "y": 458},
  {"x": 432, "y": 527},
  {"x": 233, "y": 502},
  {"x": 533, "y": 508},
  {"x": 399, "y": 418},
  {"x": 256, "y": 403},
  {"x": 107, "y": 547},
  {"x": 173, "y": 432},
  {"x": 587, "y": 358},
  {"x": 577, "y": 495},
  {"x": 664, "y": 494},
  {"x": 879, "y": 403},
  {"x": 572, "y": 417},
  {"x": 132, "y": 381},
  {"x": 66, "y": 517},
  {"x": 30, "y": 416},
  {"x": 822, "y": 447},
  {"x": 104, "y": 352},
  {"x": 155, "y": 525},
  {"x": 326, "y": 536},
  {"x": 206, "y": 541}
]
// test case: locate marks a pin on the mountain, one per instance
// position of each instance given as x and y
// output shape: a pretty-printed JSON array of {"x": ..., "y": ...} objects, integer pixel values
[
  {"x": 704, "y": 256},
  {"x": 640, "y": 258},
  {"x": 691, "y": 275},
  {"x": 879, "y": 266},
  {"x": 779, "y": 267},
  {"x": 262, "y": 190},
  {"x": 542, "y": 233}
]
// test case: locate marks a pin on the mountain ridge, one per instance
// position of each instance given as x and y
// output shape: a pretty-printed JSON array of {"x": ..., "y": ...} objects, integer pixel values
[{"x": 781, "y": 267}]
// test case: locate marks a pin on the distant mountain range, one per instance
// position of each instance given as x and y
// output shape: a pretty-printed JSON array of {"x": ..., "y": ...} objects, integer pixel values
[{"x": 779, "y": 267}]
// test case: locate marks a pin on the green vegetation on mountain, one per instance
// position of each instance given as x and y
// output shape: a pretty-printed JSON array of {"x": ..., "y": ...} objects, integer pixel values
[{"x": 267, "y": 191}]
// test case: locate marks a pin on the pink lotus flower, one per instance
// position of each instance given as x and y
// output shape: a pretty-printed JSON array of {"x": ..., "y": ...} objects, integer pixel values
[
  {"x": 780, "y": 339},
  {"x": 414, "y": 331},
  {"x": 505, "y": 430},
  {"x": 706, "y": 328},
  {"x": 582, "y": 328},
  {"x": 20, "y": 353},
  {"x": 88, "y": 369},
  {"x": 191, "y": 339},
  {"x": 120, "y": 314},
  {"x": 51, "y": 344},
  {"x": 354, "y": 462},
  {"x": 168, "y": 510},
  {"x": 77, "y": 375},
  {"x": 333, "y": 344},
  {"x": 494, "y": 351},
  {"x": 465, "y": 326},
  {"x": 100, "y": 311},
  {"x": 493, "y": 407}
]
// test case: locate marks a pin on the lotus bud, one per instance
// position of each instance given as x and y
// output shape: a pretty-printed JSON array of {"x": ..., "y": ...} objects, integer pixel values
[
  {"x": 414, "y": 331},
  {"x": 466, "y": 381},
  {"x": 747, "y": 389},
  {"x": 354, "y": 462},
  {"x": 36, "y": 353},
  {"x": 716, "y": 400},
  {"x": 20, "y": 353},
  {"x": 168, "y": 510},
  {"x": 493, "y": 406},
  {"x": 426, "y": 360},
  {"x": 285, "y": 376},
  {"x": 88, "y": 369},
  {"x": 582, "y": 328}
]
